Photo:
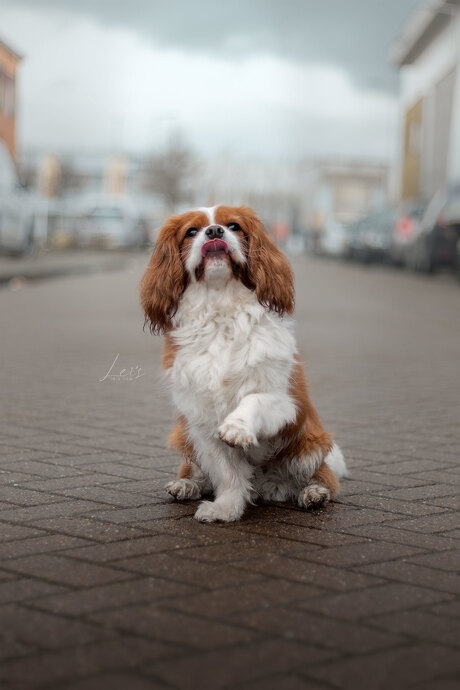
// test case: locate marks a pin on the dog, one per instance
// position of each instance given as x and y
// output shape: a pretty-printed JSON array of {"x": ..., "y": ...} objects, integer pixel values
[{"x": 222, "y": 292}]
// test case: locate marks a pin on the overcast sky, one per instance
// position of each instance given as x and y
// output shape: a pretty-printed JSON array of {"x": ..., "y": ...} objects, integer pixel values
[{"x": 276, "y": 78}]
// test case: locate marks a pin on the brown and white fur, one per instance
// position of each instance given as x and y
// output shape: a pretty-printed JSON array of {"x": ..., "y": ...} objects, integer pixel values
[{"x": 223, "y": 294}]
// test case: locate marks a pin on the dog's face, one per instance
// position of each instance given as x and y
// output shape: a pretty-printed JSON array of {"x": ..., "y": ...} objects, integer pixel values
[{"x": 214, "y": 246}]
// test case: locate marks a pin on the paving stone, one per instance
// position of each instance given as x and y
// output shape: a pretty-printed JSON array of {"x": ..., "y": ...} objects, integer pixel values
[
  {"x": 246, "y": 597},
  {"x": 303, "y": 533},
  {"x": 172, "y": 627},
  {"x": 420, "y": 624},
  {"x": 25, "y": 497},
  {"x": 112, "y": 596},
  {"x": 433, "y": 542},
  {"x": 24, "y": 589},
  {"x": 138, "y": 516},
  {"x": 371, "y": 602},
  {"x": 191, "y": 572},
  {"x": 45, "y": 630},
  {"x": 119, "y": 681},
  {"x": 298, "y": 570},
  {"x": 89, "y": 528},
  {"x": 39, "y": 544},
  {"x": 64, "y": 570},
  {"x": 292, "y": 623},
  {"x": 13, "y": 648},
  {"x": 395, "y": 506},
  {"x": 412, "y": 573},
  {"x": 424, "y": 493},
  {"x": 450, "y": 609},
  {"x": 431, "y": 524},
  {"x": 447, "y": 560},
  {"x": 287, "y": 682},
  {"x": 357, "y": 554},
  {"x": 105, "y": 553},
  {"x": 215, "y": 533},
  {"x": 451, "y": 502},
  {"x": 15, "y": 532},
  {"x": 252, "y": 547},
  {"x": 64, "y": 508},
  {"x": 42, "y": 670},
  {"x": 403, "y": 667},
  {"x": 233, "y": 665}
]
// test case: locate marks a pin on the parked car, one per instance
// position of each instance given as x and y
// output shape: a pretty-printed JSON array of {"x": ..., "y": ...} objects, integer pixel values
[
  {"x": 16, "y": 209},
  {"x": 371, "y": 236},
  {"x": 111, "y": 226},
  {"x": 435, "y": 245},
  {"x": 353, "y": 240},
  {"x": 405, "y": 229}
]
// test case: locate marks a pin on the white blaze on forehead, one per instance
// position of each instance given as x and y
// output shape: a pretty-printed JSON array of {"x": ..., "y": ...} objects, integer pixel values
[{"x": 210, "y": 213}]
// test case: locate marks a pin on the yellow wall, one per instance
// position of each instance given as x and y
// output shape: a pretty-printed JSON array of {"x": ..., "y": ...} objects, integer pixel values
[
  {"x": 8, "y": 63},
  {"x": 412, "y": 152}
]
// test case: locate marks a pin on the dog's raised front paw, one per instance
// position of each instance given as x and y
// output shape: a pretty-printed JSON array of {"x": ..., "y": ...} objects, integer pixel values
[
  {"x": 183, "y": 489},
  {"x": 314, "y": 495},
  {"x": 236, "y": 433},
  {"x": 213, "y": 511}
]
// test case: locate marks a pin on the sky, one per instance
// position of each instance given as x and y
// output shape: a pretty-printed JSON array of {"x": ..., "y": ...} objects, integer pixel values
[{"x": 287, "y": 79}]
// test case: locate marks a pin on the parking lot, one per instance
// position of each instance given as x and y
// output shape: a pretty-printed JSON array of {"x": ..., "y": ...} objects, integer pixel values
[{"x": 107, "y": 583}]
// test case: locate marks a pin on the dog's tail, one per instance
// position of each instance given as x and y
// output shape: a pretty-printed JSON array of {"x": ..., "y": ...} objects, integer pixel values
[{"x": 336, "y": 462}]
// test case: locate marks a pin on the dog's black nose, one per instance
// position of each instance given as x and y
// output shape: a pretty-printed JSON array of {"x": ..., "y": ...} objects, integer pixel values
[{"x": 214, "y": 232}]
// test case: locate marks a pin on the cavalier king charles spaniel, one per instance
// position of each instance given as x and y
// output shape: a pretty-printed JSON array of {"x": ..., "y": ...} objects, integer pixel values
[{"x": 222, "y": 292}]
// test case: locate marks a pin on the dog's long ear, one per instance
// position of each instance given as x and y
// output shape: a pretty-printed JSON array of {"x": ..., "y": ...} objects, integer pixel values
[
  {"x": 268, "y": 270},
  {"x": 164, "y": 280}
]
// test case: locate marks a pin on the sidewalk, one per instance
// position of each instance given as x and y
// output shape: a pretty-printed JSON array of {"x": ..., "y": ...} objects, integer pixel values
[
  {"x": 106, "y": 584},
  {"x": 56, "y": 264}
]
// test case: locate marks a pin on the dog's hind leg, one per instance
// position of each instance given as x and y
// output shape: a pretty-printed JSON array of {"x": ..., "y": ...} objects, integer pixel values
[
  {"x": 190, "y": 484},
  {"x": 321, "y": 488}
]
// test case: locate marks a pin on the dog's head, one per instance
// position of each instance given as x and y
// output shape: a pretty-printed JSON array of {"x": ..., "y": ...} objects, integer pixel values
[{"x": 214, "y": 245}]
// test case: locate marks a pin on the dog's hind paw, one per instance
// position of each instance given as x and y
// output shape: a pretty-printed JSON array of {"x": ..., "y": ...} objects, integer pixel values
[
  {"x": 183, "y": 489},
  {"x": 314, "y": 495}
]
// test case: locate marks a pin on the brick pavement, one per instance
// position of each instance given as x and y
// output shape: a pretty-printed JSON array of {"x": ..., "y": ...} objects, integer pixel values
[{"x": 105, "y": 583}]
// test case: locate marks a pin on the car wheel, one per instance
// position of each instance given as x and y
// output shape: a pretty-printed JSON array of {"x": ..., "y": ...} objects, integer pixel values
[{"x": 425, "y": 261}]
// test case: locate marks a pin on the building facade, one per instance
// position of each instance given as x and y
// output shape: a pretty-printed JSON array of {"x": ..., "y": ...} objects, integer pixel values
[
  {"x": 428, "y": 56},
  {"x": 345, "y": 190},
  {"x": 9, "y": 61}
]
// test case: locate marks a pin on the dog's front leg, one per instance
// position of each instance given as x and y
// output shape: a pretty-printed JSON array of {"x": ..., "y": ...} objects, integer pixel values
[
  {"x": 258, "y": 415},
  {"x": 231, "y": 477}
]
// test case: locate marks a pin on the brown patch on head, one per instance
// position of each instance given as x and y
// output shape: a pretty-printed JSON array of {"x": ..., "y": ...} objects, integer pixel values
[
  {"x": 267, "y": 270},
  {"x": 165, "y": 278}
]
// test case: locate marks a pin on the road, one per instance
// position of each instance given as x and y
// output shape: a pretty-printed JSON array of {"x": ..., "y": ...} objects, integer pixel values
[{"x": 105, "y": 583}]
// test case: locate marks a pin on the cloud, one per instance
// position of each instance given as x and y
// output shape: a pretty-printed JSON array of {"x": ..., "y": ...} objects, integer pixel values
[
  {"x": 354, "y": 35},
  {"x": 84, "y": 85}
]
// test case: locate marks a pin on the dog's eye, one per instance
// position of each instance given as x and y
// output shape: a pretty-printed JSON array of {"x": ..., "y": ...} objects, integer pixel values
[
  {"x": 191, "y": 232},
  {"x": 234, "y": 227}
]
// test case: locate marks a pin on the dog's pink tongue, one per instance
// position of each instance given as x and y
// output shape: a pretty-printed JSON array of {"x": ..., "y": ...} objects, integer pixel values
[{"x": 214, "y": 246}]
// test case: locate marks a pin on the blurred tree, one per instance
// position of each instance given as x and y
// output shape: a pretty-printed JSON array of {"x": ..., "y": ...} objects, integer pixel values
[{"x": 169, "y": 173}]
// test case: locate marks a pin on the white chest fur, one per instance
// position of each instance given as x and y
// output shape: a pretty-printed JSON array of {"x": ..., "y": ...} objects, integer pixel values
[{"x": 228, "y": 346}]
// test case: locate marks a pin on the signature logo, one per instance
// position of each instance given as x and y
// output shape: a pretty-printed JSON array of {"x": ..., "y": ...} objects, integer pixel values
[{"x": 130, "y": 374}]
